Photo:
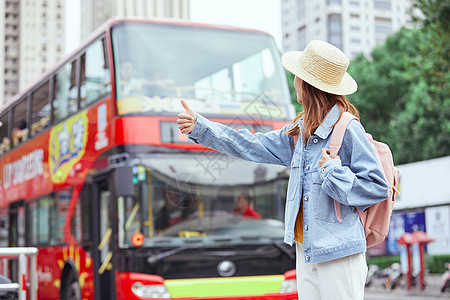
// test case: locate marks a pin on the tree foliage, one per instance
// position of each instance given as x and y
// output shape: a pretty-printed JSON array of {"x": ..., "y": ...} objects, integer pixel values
[
  {"x": 297, "y": 106},
  {"x": 384, "y": 93},
  {"x": 403, "y": 93},
  {"x": 436, "y": 50}
]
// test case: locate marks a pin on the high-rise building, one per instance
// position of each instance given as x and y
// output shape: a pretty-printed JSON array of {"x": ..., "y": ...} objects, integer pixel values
[
  {"x": 32, "y": 32},
  {"x": 96, "y": 12},
  {"x": 2, "y": 53},
  {"x": 354, "y": 26}
]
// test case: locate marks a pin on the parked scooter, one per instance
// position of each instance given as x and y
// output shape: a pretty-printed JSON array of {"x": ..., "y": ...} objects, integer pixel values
[
  {"x": 445, "y": 279},
  {"x": 372, "y": 273},
  {"x": 394, "y": 276},
  {"x": 382, "y": 277}
]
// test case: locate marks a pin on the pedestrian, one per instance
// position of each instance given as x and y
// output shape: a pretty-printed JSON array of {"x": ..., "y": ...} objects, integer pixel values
[{"x": 330, "y": 254}]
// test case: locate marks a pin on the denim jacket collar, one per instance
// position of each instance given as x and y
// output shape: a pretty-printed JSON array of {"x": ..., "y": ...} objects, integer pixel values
[{"x": 327, "y": 125}]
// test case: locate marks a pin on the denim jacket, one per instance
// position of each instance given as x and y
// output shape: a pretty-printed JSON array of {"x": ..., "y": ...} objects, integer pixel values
[{"x": 355, "y": 180}]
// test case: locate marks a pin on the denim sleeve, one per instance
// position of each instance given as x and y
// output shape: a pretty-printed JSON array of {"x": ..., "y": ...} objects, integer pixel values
[
  {"x": 274, "y": 147},
  {"x": 362, "y": 183}
]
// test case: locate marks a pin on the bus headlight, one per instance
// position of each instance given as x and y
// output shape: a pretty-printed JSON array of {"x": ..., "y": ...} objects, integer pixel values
[
  {"x": 288, "y": 286},
  {"x": 150, "y": 291}
]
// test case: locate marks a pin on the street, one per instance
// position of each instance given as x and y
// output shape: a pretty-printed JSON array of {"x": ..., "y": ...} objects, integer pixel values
[
  {"x": 432, "y": 291},
  {"x": 387, "y": 295}
]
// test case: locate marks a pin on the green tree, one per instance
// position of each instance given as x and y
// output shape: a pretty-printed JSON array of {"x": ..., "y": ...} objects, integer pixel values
[
  {"x": 384, "y": 83},
  {"x": 434, "y": 116},
  {"x": 297, "y": 106},
  {"x": 403, "y": 93},
  {"x": 436, "y": 51}
]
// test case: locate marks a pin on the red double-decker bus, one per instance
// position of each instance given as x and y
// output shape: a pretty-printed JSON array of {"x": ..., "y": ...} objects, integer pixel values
[{"x": 96, "y": 175}]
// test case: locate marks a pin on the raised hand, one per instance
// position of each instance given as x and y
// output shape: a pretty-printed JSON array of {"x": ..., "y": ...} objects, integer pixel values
[
  {"x": 326, "y": 156},
  {"x": 186, "y": 120}
]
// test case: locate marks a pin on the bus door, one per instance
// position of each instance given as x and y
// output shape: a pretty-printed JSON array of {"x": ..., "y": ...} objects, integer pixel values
[
  {"x": 102, "y": 237},
  {"x": 16, "y": 235}
]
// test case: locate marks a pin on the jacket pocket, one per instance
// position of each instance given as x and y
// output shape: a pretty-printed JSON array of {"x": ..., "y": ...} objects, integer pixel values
[{"x": 324, "y": 204}]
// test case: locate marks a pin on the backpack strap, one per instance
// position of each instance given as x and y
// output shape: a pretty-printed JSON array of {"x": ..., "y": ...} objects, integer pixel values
[
  {"x": 338, "y": 132},
  {"x": 335, "y": 144}
]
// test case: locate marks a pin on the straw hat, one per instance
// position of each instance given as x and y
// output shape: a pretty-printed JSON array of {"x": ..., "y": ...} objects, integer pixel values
[{"x": 323, "y": 66}]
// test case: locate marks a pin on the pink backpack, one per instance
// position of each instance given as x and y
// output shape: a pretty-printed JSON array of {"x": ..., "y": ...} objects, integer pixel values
[{"x": 376, "y": 218}]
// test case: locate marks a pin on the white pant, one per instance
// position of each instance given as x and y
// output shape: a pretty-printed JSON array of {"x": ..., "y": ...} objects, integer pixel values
[{"x": 342, "y": 278}]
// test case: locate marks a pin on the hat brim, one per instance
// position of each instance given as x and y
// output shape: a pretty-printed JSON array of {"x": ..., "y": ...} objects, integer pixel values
[{"x": 347, "y": 86}]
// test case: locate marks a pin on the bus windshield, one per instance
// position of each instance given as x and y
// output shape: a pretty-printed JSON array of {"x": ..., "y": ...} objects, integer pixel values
[
  {"x": 219, "y": 71},
  {"x": 204, "y": 197}
]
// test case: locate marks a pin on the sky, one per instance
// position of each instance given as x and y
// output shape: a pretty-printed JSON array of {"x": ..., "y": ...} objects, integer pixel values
[
  {"x": 72, "y": 28},
  {"x": 264, "y": 15}
]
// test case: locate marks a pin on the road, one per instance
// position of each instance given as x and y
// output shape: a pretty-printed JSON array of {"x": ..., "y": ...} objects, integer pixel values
[
  {"x": 432, "y": 291},
  {"x": 381, "y": 296}
]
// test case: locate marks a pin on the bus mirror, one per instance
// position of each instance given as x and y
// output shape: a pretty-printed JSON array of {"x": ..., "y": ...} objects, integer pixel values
[{"x": 123, "y": 181}]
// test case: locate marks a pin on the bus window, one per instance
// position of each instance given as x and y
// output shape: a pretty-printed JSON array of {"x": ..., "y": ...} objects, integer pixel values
[
  {"x": 76, "y": 223},
  {"x": 4, "y": 139},
  {"x": 62, "y": 203},
  {"x": 17, "y": 224},
  {"x": 39, "y": 222},
  {"x": 221, "y": 80},
  {"x": 19, "y": 130},
  {"x": 4, "y": 222},
  {"x": 105, "y": 222},
  {"x": 32, "y": 223},
  {"x": 152, "y": 68},
  {"x": 66, "y": 92},
  {"x": 40, "y": 111},
  {"x": 43, "y": 215},
  {"x": 86, "y": 218},
  {"x": 54, "y": 221},
  {"x": 95, "y": 76},
  {"x": 202, "y": 200}
]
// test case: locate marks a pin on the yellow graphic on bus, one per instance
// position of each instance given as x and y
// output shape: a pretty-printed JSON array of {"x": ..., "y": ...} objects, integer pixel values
[
  {"x": 139, "y": 104},
  {"x": 67, "y": 146}
]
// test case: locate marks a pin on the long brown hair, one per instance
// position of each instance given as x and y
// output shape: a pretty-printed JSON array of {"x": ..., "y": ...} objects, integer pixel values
[{"x": 316, "y": 105}]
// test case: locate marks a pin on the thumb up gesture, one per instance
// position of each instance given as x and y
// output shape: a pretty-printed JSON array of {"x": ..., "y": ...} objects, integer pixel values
[{"x": 186, "y": 120}]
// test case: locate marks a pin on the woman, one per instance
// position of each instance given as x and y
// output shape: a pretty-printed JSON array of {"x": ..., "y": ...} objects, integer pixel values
[{"x": 330, "y": 254}]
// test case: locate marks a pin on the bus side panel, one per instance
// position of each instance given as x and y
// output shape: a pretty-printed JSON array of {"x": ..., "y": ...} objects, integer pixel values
[
  {"x": 43, "y": 164},
  {"x": 51, "y": 261}
]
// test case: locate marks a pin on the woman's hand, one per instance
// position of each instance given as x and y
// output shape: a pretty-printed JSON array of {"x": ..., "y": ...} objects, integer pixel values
[
  {"x": 326, "y": 157},
  {"x": 186, "y": 120}
]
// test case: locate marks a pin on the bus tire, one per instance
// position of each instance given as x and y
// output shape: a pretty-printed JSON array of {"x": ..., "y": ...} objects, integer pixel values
[{"x": 70, "y": 288}]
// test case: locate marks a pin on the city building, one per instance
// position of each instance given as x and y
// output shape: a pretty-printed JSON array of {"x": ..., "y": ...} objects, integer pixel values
[
  {"x": 32, "y": 32},
  {"x": 354, "y": 26},
  {"x": 35, "y": 37},
  {"x": 2, "y": 53},
  {"x": 96, "y": 12}
]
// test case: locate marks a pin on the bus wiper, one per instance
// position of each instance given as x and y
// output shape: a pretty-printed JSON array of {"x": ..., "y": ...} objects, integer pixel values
[
  {"x": 222, "y": 253},
  {"x": 250, "y": 237},
  {"x": 280, "y": 246},
  {"x": 277, "y": 244},
  {"x": 157, "y": 257}
]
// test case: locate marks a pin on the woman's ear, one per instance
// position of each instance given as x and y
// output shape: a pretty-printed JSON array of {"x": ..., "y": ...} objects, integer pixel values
[{"x": 298, "y": 88}]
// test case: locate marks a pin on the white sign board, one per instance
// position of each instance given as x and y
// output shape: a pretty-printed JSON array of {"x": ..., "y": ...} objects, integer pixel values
[
  {"x": 423, "y": 184},
  {"x": 437, "y": 221}
]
